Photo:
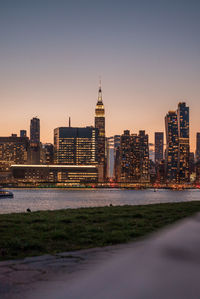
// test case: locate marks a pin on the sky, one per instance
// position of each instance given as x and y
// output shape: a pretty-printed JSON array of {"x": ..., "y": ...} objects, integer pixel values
[{"x": 52, "y": 54}]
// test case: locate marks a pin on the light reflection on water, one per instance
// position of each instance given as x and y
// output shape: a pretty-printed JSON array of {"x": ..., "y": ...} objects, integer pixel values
[{"x": 54, "y": 199}]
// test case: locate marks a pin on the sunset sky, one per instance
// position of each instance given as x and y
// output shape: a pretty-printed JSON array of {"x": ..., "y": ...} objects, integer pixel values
[{"x": 52, "y": 54}]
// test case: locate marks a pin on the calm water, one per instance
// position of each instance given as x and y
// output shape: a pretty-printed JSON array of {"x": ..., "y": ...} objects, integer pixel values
[{"x": 54, "y": 199}]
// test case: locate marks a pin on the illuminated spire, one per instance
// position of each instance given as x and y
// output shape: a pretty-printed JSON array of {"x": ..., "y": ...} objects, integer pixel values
[
  {"x": 99, "y": 111},
  {"x": 100, "y": 92}
]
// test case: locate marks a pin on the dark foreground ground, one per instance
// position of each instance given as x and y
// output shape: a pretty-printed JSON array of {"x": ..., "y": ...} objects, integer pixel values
[
  {"x": 165, "y": 265},
  {"x": 50, "y": 232}
]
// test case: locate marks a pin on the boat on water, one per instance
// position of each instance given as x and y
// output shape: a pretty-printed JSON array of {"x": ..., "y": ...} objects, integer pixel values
[{"x": 5, "y": 193}]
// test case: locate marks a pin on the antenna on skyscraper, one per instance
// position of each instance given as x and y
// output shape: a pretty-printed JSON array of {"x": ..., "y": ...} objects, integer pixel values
[
  {"x": 99, "y": 82},
  {"x": 69, "y": 122}
]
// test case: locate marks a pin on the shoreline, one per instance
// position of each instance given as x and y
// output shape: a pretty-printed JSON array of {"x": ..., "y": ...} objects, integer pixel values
[{"x": 175, "y": 187}]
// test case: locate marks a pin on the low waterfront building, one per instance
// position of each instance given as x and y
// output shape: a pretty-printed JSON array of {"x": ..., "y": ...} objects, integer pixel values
[{"x": 55, "y": 173}]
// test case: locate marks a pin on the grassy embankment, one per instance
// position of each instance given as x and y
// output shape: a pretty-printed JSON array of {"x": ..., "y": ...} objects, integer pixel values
[{"x": 37, "y": 233}]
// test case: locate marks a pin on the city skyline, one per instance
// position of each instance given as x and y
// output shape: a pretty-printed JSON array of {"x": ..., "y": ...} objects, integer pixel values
[
  {"x": 52, "y": 54},
  {"x": 193, "y": 144},
  {"x": 121, "y": 158}
]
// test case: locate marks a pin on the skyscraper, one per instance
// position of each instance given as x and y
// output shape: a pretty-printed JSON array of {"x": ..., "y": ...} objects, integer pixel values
[
  {"x": 110, "y": 156},
  {"x": 158, "y": 147},
  {"x": 184, "y": 147},
  {"x": 22, "y": 133},
  {"x": 172, "y": 146},
  {"x": 75, "y": 146},
  {"x": 35, "y": 141},
  {"x": 100, "y": 125},
  {"x": 35, "y": 131},
  {"x": 117, "y": 139},
  {"x": 178, "y": 148},
  {"x": 197, "y": 147},
  {"x": 144, "y": 156},
  {"x": 125, "y": 159},
  {"x": 132, "y": 158}
]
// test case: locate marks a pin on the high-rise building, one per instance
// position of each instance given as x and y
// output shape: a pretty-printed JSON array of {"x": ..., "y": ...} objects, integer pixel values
[
  {"x": 184, "y": 146},
  {"x": 178, "y": 148},
  {"x": 100, "y": 125},
  {"x": 172, "y": 146},
  {"x": 160, "y": 172},
  {"x": 110, "y": 156},
  {"x": 23, "y": 133},
  {"x": 197, "y": 156},
  {"x": 158, "y": 147},
  {"x": 47, "y": 154},
  {"x": 34, "y": 141},
  {"x": 191, "y": 163},
  {"x": 197, "y": 170},
  {"x": 75, "y": 146},
  {"x": 132, "y": 158},
  {"x": 117, "y": 139},
  {"x": 13, "y": 150},
  {"x": 144, "y": 155},
  {"x": 125, "y": 159},
  {"x": 35, "y": 131}
]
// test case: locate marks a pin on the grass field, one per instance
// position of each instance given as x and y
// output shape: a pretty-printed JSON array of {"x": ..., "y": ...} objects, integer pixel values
[{"x": 37, "y": 233}]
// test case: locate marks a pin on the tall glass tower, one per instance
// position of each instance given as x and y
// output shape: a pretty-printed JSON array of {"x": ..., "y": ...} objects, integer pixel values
[
  {"x": 172, "y": 146},
  {"x": 178, "y": 148},
  {"x": 184, "y": 147},
  {"x": 100, "y": 125},
  {"x": 35, "y": 131},
  {"x": 197, "y": 147},
  {"x": 34, "y": 155}
]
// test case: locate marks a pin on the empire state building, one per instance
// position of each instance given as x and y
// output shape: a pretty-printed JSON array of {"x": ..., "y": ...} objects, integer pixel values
[{"x": 100, "y": 125}]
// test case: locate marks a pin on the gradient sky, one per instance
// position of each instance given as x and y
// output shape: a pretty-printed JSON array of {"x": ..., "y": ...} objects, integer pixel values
[{"x": 52, "y": 53}]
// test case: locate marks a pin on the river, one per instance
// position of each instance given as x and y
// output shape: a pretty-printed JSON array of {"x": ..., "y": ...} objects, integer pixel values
[{"x": 55, "y": 199}]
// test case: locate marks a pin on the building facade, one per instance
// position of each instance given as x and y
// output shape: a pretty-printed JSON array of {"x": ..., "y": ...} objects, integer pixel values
[
  {"x": 109, "y": 157},
  {"x": 177, "y": 145},
  {"x": 117, "y": 139},
  {"x": 132, "y": 158},
  {"x": 75, "y": 146},
  {"x": 34, "y": 141},
  {"x": 144, "y": 156},
  {"x": 13, "y": 150},
  {"x": 159, "y": 142},
  {"x": 55, "y": 174},
  {"x": 172, "y": 147},
  {"x": 23, "y": 133},
  {"x": 47, "y": 154},
  {"x": 184, "y": 145},
  {"x": 197, "y": 154}
]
